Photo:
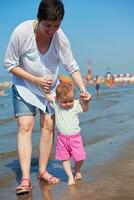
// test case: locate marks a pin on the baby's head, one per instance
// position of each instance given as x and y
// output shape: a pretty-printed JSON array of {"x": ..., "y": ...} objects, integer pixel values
[{"x": 65, "y": 95}]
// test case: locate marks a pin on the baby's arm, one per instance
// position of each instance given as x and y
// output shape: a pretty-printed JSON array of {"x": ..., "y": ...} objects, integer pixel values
[
  {"x": 84, "y": 99},
  {"x": 50, "y": 97}
]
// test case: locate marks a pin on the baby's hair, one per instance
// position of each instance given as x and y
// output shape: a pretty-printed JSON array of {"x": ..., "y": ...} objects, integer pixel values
[{"x": 63, "y": 89}]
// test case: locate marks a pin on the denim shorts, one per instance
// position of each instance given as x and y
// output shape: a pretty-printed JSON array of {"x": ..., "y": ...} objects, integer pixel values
[{"x": 21, "y": 107}]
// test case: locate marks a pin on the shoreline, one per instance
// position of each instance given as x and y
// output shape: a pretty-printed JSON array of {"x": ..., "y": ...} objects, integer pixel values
[{"x": 112, "y": 180}]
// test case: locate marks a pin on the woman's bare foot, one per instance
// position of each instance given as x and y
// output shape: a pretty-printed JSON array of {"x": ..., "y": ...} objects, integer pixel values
[
  {"x": 47, "y": 177},
  {"x": 77, "y": 176}
]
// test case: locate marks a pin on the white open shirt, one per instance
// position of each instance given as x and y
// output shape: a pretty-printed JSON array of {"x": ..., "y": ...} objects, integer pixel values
[{"x": 22, "y": 50}]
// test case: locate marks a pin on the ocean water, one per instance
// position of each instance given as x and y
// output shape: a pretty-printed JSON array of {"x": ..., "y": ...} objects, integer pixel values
[{"x": 111, "y": 115}]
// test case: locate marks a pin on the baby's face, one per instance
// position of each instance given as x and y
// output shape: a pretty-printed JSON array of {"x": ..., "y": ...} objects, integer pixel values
[{"x": 68, "y": 101}]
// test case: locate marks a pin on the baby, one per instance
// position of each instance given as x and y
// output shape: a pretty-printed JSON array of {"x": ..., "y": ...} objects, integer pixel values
[{"x": 69, "y": 143}]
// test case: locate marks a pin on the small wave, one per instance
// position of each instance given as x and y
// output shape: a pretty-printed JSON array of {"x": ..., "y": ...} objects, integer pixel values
[
  {"x": 4, "y": 95},
  {"x": 98, "y": 139},
  {"x": 94, "y": 119},
  {"x": 8, "y": 154},
  {"x": 4, "y": 121},
  {"x": 2, "y": 105},
  {"x": 6, "y": 84},
  {"x": 6, "y": 178},
  {"x": 108, "y": 103}
]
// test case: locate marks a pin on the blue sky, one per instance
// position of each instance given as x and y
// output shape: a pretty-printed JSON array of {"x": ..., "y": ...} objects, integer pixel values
[{"x": 101, "y": 31}]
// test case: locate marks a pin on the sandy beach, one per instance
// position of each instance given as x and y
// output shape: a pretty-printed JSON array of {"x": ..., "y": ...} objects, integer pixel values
[
  {"x": 107, "y": 131},
  {"x": 112, "y": 180}
]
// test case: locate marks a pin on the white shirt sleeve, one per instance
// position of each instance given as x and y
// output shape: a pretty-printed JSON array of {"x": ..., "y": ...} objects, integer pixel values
[
  {"x": 65, "y": 53},
  {"x": 13, "y": 52}
]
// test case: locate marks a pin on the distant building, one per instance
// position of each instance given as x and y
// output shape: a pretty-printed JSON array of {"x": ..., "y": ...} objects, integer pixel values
[{"x": 108, "y": 73}]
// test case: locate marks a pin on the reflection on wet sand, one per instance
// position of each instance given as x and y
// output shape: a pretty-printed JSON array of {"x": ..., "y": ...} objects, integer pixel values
[
  {"x": 45, "y": 190},
  {"x": 45, "y": 193},
  {"x": 28, "y": 196}
]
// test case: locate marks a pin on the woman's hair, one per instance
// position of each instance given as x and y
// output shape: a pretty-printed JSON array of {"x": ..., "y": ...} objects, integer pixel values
[
  {"x": 50, "y": 10},
  {"x": 63, "y": 89}
]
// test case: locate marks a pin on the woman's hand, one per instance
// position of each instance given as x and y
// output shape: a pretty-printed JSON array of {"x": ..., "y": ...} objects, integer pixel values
[
  {"x": 85, "y": 96},
  {"x": 45, "y": 83}
]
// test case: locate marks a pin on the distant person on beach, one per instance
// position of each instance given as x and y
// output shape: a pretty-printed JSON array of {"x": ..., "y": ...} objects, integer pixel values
[
  {"x": 110, "y": 81},
  {"x": 97, "y": 83},
  {"x": 2, "y": 93},
  {"x": 35, "y": 51},
  {"x": 69, "y": 142}
]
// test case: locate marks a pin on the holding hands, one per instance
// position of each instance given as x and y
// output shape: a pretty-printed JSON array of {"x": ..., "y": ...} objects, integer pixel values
[{"x": 85, "y": 97}]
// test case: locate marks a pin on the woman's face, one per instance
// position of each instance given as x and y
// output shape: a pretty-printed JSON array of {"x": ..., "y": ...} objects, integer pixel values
[{"x": 48, "y": 28}]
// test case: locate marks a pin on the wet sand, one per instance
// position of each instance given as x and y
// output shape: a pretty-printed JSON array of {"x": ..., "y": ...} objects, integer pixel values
[{"x": 112, "y": 180}]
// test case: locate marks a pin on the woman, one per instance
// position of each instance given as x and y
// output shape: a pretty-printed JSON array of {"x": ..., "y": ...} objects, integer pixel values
[{"x": 35, "y": 51}]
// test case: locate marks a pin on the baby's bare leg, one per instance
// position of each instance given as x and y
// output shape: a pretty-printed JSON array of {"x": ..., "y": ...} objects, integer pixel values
[
  {"x": 67, "y": 168},
  {"x": 77, "y": 174}
]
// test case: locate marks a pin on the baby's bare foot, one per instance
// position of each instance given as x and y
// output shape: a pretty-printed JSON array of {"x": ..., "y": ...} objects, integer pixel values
[{"x": 78, "y": 176}]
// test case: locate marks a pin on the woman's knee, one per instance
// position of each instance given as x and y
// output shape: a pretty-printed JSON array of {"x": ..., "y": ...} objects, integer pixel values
[
  {"x": 25, "y": 125},
  {"x": 47, "y": 124}
]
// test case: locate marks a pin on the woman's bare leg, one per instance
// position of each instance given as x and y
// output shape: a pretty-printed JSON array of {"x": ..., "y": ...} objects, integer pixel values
[
  {"x": 25, "y": 127},
  {"x": 46, "y": 140}
]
